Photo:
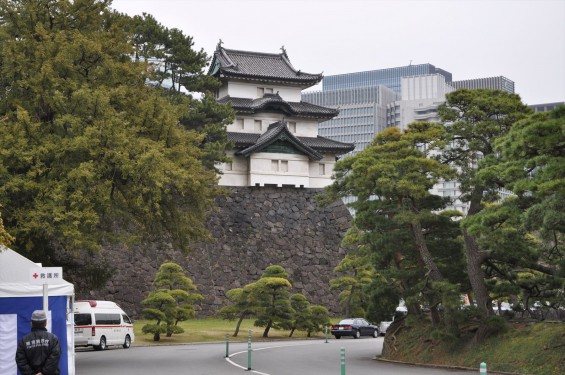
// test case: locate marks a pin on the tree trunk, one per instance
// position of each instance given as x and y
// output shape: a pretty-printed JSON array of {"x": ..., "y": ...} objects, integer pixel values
[
  {"x": 156, "y": 336},
  {"x": 426, "y": 257},
  {"x": 476, "y": 275},
  {"x": 267, "y": 328},
  {"x": 238, "y": 325},
  {"x": 348, "y": 304},
  {"x": 475, "y": 259},
  {"x": 291, "y": 331}
]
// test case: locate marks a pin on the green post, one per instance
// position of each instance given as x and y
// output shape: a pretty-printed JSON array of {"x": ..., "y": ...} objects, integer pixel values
[
  {"x": 249, "y": 352},
  {"x": 342, "y": 360},
  {"x": 483, "y": 370},
  {"x": 227, "y": 345}
]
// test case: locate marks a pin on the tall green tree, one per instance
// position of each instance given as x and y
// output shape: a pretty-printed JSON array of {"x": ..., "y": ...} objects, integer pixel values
[
  {"x": 86, "y": 145},
  {"x": 524, "y": 234},
  {"x": 175, "y": 67},
  {"x": 172, "y": 302},
  {"x": 391, "y": 180},
  {"x": 474, "y": 120},
  {"x": 5, "y": 238}
]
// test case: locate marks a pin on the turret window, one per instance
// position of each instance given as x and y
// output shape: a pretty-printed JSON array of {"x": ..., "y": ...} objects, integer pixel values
[
  {"x": 292, "y": 126},
  {"x": 261, "y": 91},
  {"x": 279, "y": 165},
  {"x": 258, "y": 125}
]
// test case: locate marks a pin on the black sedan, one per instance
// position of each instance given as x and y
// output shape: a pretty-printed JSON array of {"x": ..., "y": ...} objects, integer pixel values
[{"x": 355, "y": 327}]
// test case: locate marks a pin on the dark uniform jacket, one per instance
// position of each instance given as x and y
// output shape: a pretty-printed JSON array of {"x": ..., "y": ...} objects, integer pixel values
[{"x": 38, "y": 351}]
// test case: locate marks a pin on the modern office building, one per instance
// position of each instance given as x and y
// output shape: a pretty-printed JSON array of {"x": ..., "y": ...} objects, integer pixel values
[
  {"x": 362, "y": 113},
  {"x": 499, "y": 83},
  {"x": 371, "y": 101},
  {"x": 545, "y": 107},
  {"x": 382, "y": 77}
]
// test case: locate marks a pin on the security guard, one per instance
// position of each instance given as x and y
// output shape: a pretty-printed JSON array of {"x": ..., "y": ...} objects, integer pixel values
[{"x": 39, "y": 351}]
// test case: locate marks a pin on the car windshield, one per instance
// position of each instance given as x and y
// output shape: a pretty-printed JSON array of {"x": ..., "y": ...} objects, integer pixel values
[{"x": 346, "y": 321}]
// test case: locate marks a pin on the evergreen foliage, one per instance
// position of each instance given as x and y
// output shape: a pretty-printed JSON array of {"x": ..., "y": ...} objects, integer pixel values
[
  {"x": 270, "y": 302},
  {"x": 90, "y": 152},
  {"x": 513, "y": 246},
  {"x": 172, "y": 302}
]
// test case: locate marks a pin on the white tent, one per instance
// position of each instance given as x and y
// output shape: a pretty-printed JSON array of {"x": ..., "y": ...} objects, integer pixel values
[{"x": 19, "y": 298}]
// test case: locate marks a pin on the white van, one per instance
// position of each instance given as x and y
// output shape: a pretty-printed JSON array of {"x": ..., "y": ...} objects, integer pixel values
[{"x": 101, "y": 324}]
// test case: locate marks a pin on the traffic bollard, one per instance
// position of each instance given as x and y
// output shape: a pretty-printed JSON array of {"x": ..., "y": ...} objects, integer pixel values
[
  {"x": 249, "y": 352},
  {"x": 227, "y": 345},
  {"x": 326, "y": 333},
  {"x": 342, "y": 360},
  {"x": 483, "y": 370}
]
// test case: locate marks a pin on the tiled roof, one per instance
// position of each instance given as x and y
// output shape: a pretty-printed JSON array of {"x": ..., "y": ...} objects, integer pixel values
[
  {"x": 270, "y": 101},
  {"x": 247, "y": 143},
  {"x": 278, "y": 131},
  {"x": 259, "y": 66}
]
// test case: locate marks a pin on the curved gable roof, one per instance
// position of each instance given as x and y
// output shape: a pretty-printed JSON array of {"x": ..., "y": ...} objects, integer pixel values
[
  {"x": 259, "y": 66},
  {"x": 278, "y": 131},
  {"x": 278, "y": 104}
]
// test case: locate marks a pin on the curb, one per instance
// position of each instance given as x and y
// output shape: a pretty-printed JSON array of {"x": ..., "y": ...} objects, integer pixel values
[{"x": 431, "y": 365}]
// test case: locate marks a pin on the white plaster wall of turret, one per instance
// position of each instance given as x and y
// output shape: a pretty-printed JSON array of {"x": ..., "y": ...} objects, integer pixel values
[
  {"x": 260, "y": 122},
  {"x": 256, "y": 90},
  {"x": 266, "y": 168}
]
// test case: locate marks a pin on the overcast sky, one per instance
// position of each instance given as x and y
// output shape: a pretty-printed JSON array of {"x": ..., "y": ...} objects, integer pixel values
[{"x": 523, "y": 40}]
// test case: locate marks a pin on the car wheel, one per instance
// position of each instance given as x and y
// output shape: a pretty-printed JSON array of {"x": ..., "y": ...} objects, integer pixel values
[
  {"x": 376, "y": 333},
  {"x": 337, "y": 337},
  {"x": 127, "y": 342},
  {"x": 102, "y": 345},
  {"x": 357, "y": 334}
]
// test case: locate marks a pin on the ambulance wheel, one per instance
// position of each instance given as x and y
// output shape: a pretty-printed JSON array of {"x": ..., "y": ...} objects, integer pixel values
[
  {"x": 102, "y": 345},
  {"x": 127, "y": 343}
]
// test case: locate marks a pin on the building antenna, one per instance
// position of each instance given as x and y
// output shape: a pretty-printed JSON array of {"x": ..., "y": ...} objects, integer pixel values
[{"x": 410, "y": 63}]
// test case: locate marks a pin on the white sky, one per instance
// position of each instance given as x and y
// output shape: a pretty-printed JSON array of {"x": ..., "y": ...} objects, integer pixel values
[{"x": 523, "y": 40}]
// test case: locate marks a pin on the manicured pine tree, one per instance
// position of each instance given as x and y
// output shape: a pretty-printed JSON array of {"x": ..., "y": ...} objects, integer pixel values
[{"x": 172, "y": 302}]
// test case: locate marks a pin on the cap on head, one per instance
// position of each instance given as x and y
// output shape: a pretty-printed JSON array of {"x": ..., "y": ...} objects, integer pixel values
[{"x": 38, "y": 316}]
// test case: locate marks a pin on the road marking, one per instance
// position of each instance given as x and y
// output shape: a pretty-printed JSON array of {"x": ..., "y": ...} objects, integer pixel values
[{"x": 264, "y": 348}]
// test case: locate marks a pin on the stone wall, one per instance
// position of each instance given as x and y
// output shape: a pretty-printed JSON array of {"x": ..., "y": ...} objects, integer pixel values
[{"x": 253, "y": 228}]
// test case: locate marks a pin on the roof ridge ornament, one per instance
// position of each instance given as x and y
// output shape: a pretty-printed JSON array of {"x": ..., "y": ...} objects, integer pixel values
[
  {"x": 284, "y": 51},
  {"x": 219, "y": 45}
]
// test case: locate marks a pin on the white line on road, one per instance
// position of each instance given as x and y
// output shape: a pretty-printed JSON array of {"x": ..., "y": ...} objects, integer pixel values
[{"x": 257, "y": 349}]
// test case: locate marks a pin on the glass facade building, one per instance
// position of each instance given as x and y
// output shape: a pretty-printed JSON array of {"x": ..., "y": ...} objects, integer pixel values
[
  {"x": 362, "y": 113},
  {"x": 385, "y": 77},
  {"x": 499, "y": 83}
]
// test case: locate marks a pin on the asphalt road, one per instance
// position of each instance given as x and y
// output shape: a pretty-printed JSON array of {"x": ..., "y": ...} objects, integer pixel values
[{"x": 298, "y": 357}]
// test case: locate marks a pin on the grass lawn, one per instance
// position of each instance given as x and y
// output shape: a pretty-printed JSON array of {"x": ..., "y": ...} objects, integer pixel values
[{"x": 214, "y": 329}]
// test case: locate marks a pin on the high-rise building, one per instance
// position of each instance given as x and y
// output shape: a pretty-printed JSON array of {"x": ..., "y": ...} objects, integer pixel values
[
  {"x": 499, "y": 83},
  {"x": 382, "y": 77},
  {"x": 545, "y": 107},
  {"x": 368, "y": 102},
  {"x": 362, "y": 113}
]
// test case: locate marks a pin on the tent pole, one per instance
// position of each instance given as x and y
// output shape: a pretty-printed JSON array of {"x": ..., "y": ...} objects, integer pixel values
[{"x": 46, "y": 298}]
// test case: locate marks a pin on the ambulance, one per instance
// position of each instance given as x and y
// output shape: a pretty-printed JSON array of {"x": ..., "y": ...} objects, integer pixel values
[{"x": 101, "y": 324}]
